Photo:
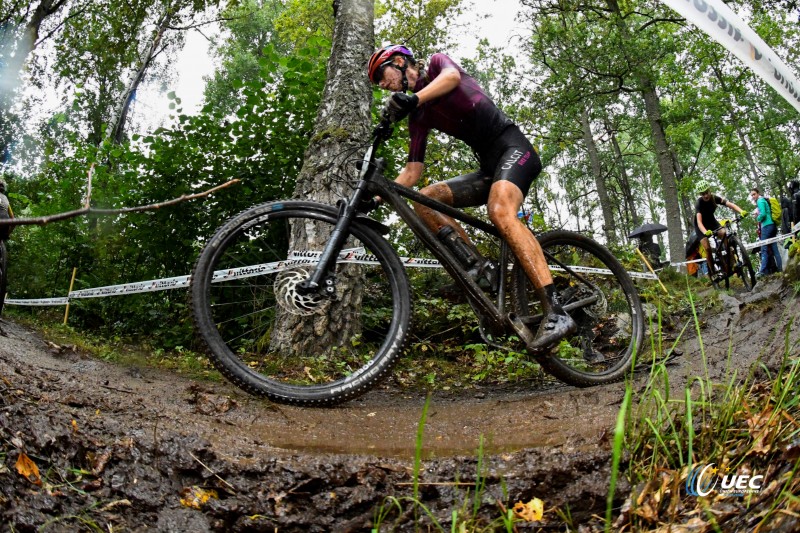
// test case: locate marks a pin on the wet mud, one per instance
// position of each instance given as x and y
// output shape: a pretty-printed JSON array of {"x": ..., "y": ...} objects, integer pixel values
[{"x": 138, "y": 449}]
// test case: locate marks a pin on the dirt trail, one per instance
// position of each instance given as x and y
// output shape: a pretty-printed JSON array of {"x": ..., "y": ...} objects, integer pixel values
[{"x": 142, "y": 436}]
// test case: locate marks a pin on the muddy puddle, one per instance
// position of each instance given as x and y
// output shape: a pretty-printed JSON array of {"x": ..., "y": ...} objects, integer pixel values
[{"x": 129, "y": 449}]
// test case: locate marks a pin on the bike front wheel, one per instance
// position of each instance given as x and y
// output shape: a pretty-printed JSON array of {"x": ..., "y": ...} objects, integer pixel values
[
  {"x": 268, "y": 337},
  {"x": 597, "y": 292},
  {"x": 742, "y": 264}
]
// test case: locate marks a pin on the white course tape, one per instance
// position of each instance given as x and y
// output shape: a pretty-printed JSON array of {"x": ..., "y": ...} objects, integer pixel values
[
  {"x": 133, "y": 288},
  {"x": 725, "y": 27},
  {"x": 368, "y": 259},
  {"x": 353, "y": 255},
  {"x": 758, "y": 244},
  {"x": 38, "y": 302}
]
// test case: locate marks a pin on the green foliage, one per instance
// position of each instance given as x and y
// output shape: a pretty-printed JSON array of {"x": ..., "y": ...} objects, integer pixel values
[
  {"x": 261, "y": 144},
  {"x": 423, "y": 25}
]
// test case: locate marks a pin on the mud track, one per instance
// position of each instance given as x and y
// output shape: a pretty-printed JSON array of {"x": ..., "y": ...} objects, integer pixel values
[{"x": 118, "y": 447}]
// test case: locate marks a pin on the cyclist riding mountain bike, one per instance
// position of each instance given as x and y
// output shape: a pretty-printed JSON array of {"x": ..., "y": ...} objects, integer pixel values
[
  {"x": 705, "y": 224},
  {"x": 444, "y": 97}
]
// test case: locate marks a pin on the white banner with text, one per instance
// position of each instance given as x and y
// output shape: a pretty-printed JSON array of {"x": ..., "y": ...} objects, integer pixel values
[{"x": 724, "y": 26}]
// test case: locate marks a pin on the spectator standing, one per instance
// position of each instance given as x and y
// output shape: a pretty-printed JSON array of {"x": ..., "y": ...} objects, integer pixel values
[{"x": 768, "y": 230}]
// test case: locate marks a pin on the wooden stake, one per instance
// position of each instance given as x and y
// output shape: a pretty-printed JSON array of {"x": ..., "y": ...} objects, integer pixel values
[
  {"x": 71, "y": 282},
  {"x": 646, "y": 262}
]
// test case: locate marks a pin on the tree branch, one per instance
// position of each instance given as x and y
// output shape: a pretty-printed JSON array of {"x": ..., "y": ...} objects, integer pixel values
[
  {"x": 90, "y": 211},
  {"x": 78, "y": 11},
  {"x": 201, "y": 24}
]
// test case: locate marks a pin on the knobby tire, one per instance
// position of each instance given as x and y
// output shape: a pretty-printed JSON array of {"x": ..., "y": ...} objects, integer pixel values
[
  {"x": 610, "y": 330},
  {"x": 745, "y": 269},
  {"x": 260, "y": 330}
]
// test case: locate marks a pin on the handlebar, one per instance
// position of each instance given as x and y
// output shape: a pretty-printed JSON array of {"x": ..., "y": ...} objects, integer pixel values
[{"x": 724, "y": 223}]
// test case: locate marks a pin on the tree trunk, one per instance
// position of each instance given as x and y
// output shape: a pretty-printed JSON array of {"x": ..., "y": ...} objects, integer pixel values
[
  {"x": 669, "y": 186},
  {"x": 624, "y": 181},
  {"x": 609, "y": 228},
  {"x": 116, "y": 131},
  {"x": 341, "y": 126},
  {"x": 748, "y": 152}
]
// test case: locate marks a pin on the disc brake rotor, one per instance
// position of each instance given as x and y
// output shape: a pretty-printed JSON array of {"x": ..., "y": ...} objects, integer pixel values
[{"x": 291, "y": 300}]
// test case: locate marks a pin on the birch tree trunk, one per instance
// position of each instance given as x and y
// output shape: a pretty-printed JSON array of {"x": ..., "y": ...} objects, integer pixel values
[
  {"x": 342, "y": 124},
  {"x": 119, "y": 119},
  {"x": 609, "y": 228}
]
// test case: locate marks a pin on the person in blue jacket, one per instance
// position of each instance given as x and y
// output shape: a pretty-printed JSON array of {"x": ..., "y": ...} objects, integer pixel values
[{"x": 769, "y": 229}]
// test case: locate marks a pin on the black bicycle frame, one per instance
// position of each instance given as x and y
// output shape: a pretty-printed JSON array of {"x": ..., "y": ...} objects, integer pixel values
[{"x": 374, "y": 182}]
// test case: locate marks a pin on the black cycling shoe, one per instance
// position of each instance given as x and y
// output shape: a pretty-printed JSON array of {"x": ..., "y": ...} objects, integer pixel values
[{"x": 553, "y": 328}]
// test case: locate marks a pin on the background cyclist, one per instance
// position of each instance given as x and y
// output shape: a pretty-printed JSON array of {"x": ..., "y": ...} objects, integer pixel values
[
  {"x": 704, "y": 221},
  {"x": 445, "y": 98}
]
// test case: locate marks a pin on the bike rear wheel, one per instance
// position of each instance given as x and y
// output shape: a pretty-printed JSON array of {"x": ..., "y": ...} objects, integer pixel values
[
  {"x": 596, "y": 290},
  {"x": 267, "y": 337}
]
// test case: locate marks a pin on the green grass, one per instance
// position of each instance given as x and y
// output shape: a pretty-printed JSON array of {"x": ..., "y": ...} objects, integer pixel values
[
  {"x": 179, "y": 360},
  {"x": 743, "y": 424}
]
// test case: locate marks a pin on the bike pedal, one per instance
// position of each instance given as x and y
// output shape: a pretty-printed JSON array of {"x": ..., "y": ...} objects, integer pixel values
[{"x": 523, "y": 331}]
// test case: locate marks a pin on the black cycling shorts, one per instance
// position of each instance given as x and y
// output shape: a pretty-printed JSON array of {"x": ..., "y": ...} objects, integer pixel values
[{"x": 511, "y": 157}]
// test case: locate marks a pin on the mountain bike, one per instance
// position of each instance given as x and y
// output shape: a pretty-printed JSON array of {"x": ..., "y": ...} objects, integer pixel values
[
  {"x": 730, "y": 257},
  {"x": 310, "y": 304}
]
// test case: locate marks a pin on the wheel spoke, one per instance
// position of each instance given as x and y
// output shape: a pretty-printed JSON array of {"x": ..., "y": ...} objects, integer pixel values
[{"x": 272, "y": 338}]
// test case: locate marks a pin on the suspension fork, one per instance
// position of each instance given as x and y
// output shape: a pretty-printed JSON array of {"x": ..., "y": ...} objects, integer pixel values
[{"x": 323, "y": 279}]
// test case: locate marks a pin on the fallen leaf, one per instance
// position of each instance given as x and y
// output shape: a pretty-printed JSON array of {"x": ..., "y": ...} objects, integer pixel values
[
  {"x": 531, "y": 511},
  {"x": 195, "y": 497},
  {"x": 28, "y": 469}
]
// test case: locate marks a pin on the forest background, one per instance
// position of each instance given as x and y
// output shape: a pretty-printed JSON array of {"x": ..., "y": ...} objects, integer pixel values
[{"x": 628, "y": 104}]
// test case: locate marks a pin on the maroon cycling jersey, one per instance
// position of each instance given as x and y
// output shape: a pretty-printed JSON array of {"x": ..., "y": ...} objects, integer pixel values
[{"x": 465, "y": 113}]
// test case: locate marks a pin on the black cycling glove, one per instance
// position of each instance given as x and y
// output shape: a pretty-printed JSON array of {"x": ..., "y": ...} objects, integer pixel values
[{"x": 399, "y": 105}]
